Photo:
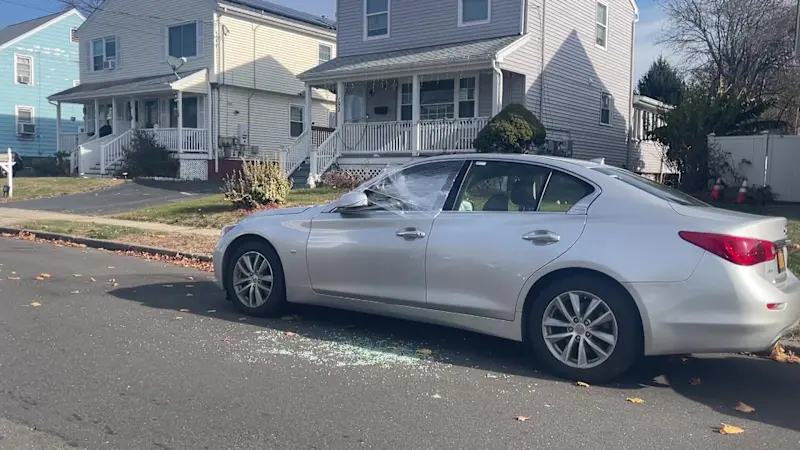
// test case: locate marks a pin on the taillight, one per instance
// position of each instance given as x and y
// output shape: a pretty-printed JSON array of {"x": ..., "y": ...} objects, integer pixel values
[{"x": 738, "y": 250}]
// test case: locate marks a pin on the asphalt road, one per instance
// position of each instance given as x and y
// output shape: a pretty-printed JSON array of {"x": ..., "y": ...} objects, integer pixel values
[
  {"x": 115, "y": 363},
  {"x": 121, "y": 198}
]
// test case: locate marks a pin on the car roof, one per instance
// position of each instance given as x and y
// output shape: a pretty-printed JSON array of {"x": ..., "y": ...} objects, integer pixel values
[{"x": 552, "y": 160}]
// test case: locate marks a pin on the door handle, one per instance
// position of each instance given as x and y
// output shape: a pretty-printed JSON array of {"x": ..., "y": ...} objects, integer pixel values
[
  {"x": 541, "y": 237},
  {"x": 410, "y": 233}
]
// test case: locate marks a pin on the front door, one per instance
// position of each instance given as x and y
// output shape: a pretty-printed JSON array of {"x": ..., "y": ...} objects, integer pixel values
[
  {"x": 379, "y": 254},
  {"x": 508, "y": 221},
  {"x": 151, "y": 114}
]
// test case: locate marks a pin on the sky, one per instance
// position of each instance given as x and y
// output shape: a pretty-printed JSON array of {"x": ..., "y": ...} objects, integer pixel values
[{"x": 651, "y": 19}]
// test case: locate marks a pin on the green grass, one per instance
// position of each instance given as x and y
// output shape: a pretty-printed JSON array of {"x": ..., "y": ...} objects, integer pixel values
[
  {"x": 28, "y": 188},
  {"x": 216, "y": 212},
  {"x": 83, "y": 229}
]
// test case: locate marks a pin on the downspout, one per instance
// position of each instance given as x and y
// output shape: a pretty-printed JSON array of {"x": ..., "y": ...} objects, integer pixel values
[
  {"x": 250, "y": 97},
  {"x": 496, "y": 69},
  {"x": 524, "y": 18},
  {"x": 630, "y": 91},
  {"x": 541, "y": 67}
]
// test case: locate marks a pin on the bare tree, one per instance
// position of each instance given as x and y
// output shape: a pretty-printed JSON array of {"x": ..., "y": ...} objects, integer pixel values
[
  {"x": 741, "y": 47},
  {"x": 86, "y": 6}
]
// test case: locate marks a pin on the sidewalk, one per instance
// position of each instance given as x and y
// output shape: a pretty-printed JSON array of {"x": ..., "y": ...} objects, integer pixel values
[{"x": 11, "y": 216}]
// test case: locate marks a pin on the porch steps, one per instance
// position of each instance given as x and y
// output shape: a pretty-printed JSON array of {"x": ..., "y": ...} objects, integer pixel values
[{"x": 300, "y": 175}]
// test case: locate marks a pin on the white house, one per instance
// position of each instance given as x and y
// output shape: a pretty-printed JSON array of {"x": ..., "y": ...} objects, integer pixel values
[{"x": 209, "y": 79}]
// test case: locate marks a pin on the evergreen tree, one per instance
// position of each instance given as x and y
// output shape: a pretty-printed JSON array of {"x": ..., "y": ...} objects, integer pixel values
[{"x": 661, "y": 82}]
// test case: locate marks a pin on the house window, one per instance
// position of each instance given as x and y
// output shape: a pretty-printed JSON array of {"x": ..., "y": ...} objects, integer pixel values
[
  {"x": 23, "y": 69},
  {"x": 606, "y": 101},
  {"x": 25, "y": 121},
  {"x": 73, "y": 35},
  {"x": 324, "y": 53},
  {"x": 473, "y": 12},
  {"x": 406, "y": 100},
  {"x": 183, "y": 40},
  {"x": 466, "y": 97},
  {"x": 436, "y": 100},
  {"x": 376, "y": 18},
  {"x": 104, "y": 54},
  {"x": 295, "y": 121},
  {"x": 601, "y": 31}
]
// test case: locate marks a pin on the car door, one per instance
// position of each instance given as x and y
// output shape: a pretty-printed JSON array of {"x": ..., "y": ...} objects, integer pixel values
[
  {"x": 509, "y": 219},
  {"x": 378, "y": 253}
]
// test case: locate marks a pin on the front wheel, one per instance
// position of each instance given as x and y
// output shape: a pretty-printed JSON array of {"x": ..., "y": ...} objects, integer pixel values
[
  {"x": 585, "y": 328},
  {"x": 254, "y": 280}
]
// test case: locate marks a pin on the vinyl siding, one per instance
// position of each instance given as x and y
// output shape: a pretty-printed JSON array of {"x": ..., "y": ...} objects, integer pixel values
[
  {"x": 414, "y": 24},
  {"x": 141, "y": 41},
  {"x": 269, "y": 116},
  {"x": 280, "y": 55},
  {"x": 576, "y": 72},
  {"x": 55, "y": 67}
]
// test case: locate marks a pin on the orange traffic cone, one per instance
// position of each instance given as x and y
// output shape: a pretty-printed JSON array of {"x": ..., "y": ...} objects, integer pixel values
[
  {"x": 716, "y": 190},
  {"x": 741, "y": 197}
]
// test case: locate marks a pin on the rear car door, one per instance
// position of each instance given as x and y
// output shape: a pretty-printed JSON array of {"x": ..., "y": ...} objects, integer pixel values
[
  {"x": 508, "y": 220},
  {"x": 378, "y": 254}
]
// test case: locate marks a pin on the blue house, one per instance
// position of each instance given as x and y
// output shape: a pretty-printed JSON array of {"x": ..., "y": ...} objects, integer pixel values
[{"x": 38, "y": 58}]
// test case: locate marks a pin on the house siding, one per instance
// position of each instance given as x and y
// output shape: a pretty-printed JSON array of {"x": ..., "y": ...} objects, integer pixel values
[
  {"x": 576, "y": 72},
  {"x": 266, "y": 56},
  {"x": 414, "y": 25},
  {"x": 141, "y": 44},
  {"x": 268, "y": 116},
  {"x": 55, "y": 68}
]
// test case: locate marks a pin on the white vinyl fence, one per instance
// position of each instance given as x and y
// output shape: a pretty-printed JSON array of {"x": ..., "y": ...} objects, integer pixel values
[{"x": 773, "y": 160}]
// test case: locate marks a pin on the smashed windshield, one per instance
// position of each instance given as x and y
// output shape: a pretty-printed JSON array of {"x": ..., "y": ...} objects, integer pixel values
[
  {"x": 651, "y": 187},
  {"x": 422, "y": 187}
]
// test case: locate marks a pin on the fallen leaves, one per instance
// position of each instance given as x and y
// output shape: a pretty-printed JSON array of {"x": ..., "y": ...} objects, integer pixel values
[
  {"x": 780, "y": 354},
  {"x": 424, "y": 351},
  {"x": 634, "y": 400},
  {"x": 662, "y": 380},
  {"x": 183, "y": 310},
  {"x": 729, "y": 429},
  {"x": 695, "y": 381},
  {"x": 745, "y": 408},
  {"x": 582, "y": 384},
  {"x": 45, "y": 276},
  {"x": 290, "y": 333},
  {"x": 522, "y": 418},
  {"x": 36, "y": 304}
]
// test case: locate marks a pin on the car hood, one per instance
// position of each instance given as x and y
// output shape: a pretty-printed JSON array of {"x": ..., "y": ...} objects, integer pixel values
[{"x": 281, "y": 211}]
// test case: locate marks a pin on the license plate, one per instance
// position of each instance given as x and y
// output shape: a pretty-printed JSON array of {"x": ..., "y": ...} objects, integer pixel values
[{"x": 781, "y": 261}]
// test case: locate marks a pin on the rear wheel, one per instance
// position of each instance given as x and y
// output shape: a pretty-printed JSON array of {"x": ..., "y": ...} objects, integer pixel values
[
  {"x": 585, "y": 328},
  {"x": 254, "y": 280}
]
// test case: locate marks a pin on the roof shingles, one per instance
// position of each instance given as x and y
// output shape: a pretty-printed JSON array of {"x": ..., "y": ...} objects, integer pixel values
[{"x": 16, "y": 30}]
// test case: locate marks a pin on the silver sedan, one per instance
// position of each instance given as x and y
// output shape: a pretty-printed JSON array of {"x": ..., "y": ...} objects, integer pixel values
[{"x": 589, "y": 264}]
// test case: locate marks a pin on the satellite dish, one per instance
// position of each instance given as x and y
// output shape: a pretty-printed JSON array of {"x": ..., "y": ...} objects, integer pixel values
[{"x": 176, "y": 63}]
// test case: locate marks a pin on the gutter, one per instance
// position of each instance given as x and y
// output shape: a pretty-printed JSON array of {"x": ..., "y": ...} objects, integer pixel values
[{"x": 630, "y": 103}]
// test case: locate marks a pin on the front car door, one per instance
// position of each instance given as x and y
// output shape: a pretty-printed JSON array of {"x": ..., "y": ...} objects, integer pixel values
[
  {"x": 509, "y": 219},
  {"x": 378, "y": 253}
]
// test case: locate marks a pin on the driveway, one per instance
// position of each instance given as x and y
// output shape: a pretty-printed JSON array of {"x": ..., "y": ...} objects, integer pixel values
[
  {"x": 117, "y": 352},
  {"x": 121, "y": 198}
]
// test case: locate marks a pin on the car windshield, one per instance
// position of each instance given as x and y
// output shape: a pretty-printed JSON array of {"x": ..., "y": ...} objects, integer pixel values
[{"x": 651, "y": 187}]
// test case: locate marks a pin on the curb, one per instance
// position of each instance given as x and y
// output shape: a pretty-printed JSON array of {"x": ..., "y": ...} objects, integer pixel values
[{"x": 104, "y": 244}]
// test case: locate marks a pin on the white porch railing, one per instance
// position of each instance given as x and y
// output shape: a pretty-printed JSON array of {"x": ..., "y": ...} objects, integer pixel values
[
  {"x": 296, "y": 153},
  {"x": 450, "y": 134},
  {"x": 328, "y": 152},
  {"x": 114, "y": 150},
  {"x": 195, "y": 140},
  {"x": 376, "y": 137},
  {"x": 90, "y": 152}
]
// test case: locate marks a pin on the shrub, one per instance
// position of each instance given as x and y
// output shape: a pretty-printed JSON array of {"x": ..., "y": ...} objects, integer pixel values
[
  {"x": 341, "y": 179},
  {"x": 148, "y": 158},
  {"x": 258, "y": 184},
  {"x": 514, "y": 130},
  {"x": 49, "y": 167}
]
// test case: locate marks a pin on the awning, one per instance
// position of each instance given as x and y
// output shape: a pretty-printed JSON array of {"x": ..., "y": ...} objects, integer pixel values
[
  {"x": 194, "y": 82},
  {"x": 449, "y": 56}
]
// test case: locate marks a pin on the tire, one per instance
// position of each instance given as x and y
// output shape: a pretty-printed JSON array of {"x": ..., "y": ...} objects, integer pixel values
[
  {"x": 624, "y": 314},
  {"x": 275, "y": 301}
]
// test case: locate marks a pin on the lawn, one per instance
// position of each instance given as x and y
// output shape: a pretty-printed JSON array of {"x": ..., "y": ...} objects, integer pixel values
[
  {"x": 186, "y": 243},
  {"x": 27, "y": 188},
  {"x": 216, "y": 212}
]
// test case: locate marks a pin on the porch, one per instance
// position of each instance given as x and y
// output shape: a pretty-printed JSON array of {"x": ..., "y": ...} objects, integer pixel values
[
  {"x": 175, "y": 110},
  {"x": 406, "y": 105},
  {"x": 648, "y": 156}
]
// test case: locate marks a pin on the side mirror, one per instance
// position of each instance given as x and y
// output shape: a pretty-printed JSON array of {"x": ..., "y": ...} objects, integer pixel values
[{"x": 352, "y": 200}]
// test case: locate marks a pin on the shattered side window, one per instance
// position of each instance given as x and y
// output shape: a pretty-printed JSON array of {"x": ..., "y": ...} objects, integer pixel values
[{"x": 423, "y": 187}]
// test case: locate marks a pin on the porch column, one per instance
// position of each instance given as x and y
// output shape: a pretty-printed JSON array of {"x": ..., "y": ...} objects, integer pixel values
[
  {"x": 180, "y": 121},
  {"x": 310, "y": 150},
  {"x": 340, "y": 93},
  {"x": 497, "y": 92},
  {"x": 114, "y": 114},
  {"x": 58, "y": 128},
  {"x": 415, "y": 127},
  {"x": 96, "y": 119},
  {"x": 133, "y": 113},
  {"x": 209, "y": 129}
]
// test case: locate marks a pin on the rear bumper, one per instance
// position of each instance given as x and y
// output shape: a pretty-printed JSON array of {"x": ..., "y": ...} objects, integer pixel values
[{"x": 721, "y": 308}]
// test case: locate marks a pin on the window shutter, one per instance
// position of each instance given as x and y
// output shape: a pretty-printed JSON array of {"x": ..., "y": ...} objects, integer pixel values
[
  {"x": 201, "y": 112},
  {"x": 119, "y": 53},
  {"x": 164, "y": 34},
  {"x": 165, "y": 112},
  {"x": 200, "y": 39},
  {"x": 89, "y": 59}
]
